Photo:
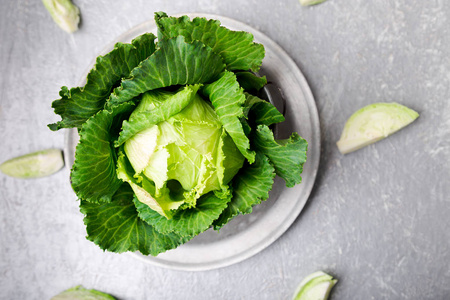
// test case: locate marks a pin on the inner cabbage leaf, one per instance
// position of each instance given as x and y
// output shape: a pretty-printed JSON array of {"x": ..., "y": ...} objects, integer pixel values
[{"x": 185, "y": 155}]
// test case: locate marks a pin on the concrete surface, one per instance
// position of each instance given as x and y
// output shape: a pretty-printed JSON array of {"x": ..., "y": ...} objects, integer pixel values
[{"x": 378, "y": 219}]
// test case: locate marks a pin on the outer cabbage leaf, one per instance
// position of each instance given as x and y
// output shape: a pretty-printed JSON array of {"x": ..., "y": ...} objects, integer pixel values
[
  {"x": 116, "y": 227},
  {"x": 79, "y": 292},
  {"x": 250, "y": 82},
  {"x": 79, "y": 104},
  {"x": 287, "y": 156},
  {"x": 250, "y": 186},
  {"x": 237, "y": 48},
  {"x": 93, "y": 173},
  {"x": 260, "y": 111},
  {"x": 187, "y": 222},
  {"x": 175, "y": 62},
  {"x": 228, "y": 99}
]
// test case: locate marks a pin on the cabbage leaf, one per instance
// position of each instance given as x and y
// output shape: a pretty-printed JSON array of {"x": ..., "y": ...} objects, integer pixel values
[
  {"x": 250, "y": 82},
  {"x": 250, "y": 186},
  {"x": 287, "y": 156},
  {"x": 261, "y": 112},
  {"x": 116, "y": 227},
  {"x": 175, "y": 62},
  {"x": 228, "y": 100},
  {"x": 93, "y": 175},
  {"x": 79, "y": 104},
  {"x": 187, "y": 222},
  {"x": 237, "y": 48}
]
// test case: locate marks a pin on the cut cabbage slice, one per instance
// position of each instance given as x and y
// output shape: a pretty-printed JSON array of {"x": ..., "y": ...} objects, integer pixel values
[
  {"x": 373, "y": 123},
  {"x": 64, "y": 13},
  {"x": 316, "y": 286},
  {"x": 34, "y": 165},
  {"x": 310, "y": 2},
  {"x": 80, "y": 293}
]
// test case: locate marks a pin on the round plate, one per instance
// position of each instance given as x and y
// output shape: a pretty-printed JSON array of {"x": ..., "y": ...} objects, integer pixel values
[{"x": 246, "y": 235}]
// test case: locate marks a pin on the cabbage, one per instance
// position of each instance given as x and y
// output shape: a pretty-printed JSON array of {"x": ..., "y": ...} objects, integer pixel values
[
  {"x": 173, "y": 137},
  {"x": 64, "y": 13},
  {"x": 373, "y": 123},
  {"x": 80, "y": 293}
]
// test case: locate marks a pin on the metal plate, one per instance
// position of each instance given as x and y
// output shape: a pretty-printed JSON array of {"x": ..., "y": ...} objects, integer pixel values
[{"x": 244, "y": 236}]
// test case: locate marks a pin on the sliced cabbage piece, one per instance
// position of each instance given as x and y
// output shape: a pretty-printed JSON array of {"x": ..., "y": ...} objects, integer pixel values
[
  {"x": 64, "y": 13},
  {"x": 310, "y": 2},
  {"x": 34, "y": 165},
  {"x": 316, "y": 286},
  {"x": 373, "y": 123},
  {"x": 80, "y": 293}
]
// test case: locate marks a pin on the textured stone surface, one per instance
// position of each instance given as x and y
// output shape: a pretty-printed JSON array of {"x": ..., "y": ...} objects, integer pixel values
[{"x": 378, "y": 219}]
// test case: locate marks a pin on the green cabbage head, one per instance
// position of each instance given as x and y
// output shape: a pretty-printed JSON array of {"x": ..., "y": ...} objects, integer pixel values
[
  {"x": 177, "y": 160},
  {"x": 174, "y": 136}
]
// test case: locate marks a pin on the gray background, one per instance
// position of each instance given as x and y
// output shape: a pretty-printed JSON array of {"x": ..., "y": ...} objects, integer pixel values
[{"x": 377, "y": 219}]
